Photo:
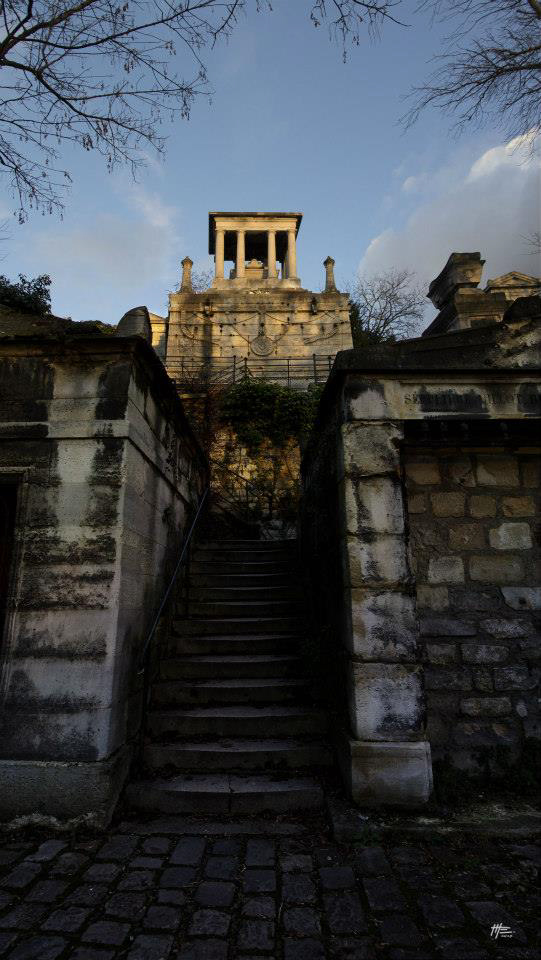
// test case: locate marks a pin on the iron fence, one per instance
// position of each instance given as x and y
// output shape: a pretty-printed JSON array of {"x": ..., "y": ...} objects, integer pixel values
[{"x": 226, "y": 370}]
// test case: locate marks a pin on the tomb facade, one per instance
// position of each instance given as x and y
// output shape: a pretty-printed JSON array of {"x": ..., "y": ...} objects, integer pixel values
[{"x": 256, "y": 317}]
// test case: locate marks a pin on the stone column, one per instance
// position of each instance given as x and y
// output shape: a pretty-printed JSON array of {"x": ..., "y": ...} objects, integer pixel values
[
  {"x": 329, "y": 274},
  {"x": 291, "y": 255},
  {"x": 271, "y": 254},
  {"x": 386, "y": 757},
  {"x": 187, "y": 265},
  {"x": 219, "y": 255},
  {"x": 241, "y": 255}
]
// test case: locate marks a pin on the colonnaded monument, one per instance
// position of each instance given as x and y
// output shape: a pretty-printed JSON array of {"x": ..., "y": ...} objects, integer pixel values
[{"x": 258, "y": 317}]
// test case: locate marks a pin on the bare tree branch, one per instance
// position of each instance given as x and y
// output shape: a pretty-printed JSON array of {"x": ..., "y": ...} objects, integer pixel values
[
  {"x": 490, "y": 69},
  {"x": 98, "y": 74},
  {"x": 105, "y": 75},
  {"x": 385, "y": 306}
]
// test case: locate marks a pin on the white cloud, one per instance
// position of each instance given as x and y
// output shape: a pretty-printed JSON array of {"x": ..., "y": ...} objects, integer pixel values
[
  {"x": 516, "y": 151},
  {"x": 150, "y": 205},
  {"x": 490, "y": 205},
  {"x": 114, "y": 260},
  {"x": 411, "y": 184}
]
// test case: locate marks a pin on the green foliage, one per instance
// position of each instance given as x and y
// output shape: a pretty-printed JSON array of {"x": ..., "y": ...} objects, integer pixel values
[
  {"x": 361, "y": 337},
  {"x": 259, "y": 411},
  {"x": 27, "y": 296}
]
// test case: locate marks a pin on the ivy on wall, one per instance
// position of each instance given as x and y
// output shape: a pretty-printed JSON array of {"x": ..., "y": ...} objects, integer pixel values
[
  {"x": 253, "y": 431},
  {"x": 261, "y": 412}
]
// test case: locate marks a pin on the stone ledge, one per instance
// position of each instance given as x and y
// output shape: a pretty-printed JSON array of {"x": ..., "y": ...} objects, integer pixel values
[
  {"x": 61, "y": 795},
  {"x": 392, "y": 774}
]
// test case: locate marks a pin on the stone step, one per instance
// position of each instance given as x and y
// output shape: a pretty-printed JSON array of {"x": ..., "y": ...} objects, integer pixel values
[
  {"x": 229, "y": 609},
  {"x": 225, "y": 793},
  {"x": 245, "y": 691},
  {"x": 269, "y": 545},
  {"x": 266, "y": 568},
  {"x": 241, "y": 754},
  {"x": 239, "y": 720},
  {"x": 214, "y": 666},
  {"x": 201, "y": 626},
  {"x": 239, "y": 555},
  {"x": 228, "y": 579},
  {"x": 258, "y": 643},
  {"x": 211, "y": 592}
]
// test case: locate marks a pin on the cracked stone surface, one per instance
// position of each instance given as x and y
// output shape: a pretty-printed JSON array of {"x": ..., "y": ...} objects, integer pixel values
[{"x": 188, "y": 889}]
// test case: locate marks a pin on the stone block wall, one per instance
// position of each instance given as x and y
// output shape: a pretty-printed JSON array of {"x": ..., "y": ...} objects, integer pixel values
[
  {"x": 108, "y": 474},
  {"x": 356, "y": 561},
  {"x": 420, "y": 532},
  {"x": 474, "y": 515}
]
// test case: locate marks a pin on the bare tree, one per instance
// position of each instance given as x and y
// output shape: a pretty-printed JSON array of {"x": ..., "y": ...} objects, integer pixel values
[
  {"x": 385, "y": 306},
  {"x": 202, "y": 280},
  {"x": 347, "y": 19},
  {"x": 533, "y": 241},
  {"x": 99, "y": 74},
  {"x": 490, "y": 69},
  {"x": 104, "y": 75}
]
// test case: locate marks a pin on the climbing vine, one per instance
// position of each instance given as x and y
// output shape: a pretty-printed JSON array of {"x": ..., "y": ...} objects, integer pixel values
[{"x": 260, "y": 412}]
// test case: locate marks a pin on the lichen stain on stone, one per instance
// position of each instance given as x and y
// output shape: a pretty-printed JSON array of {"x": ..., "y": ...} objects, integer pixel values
[
  {"x": 452, "y": 401},
  {"x": 46, "y": 589},
  {"x": 43, "y": 736},
  {"x": 23, "y": 696},
  {"x": 29, "y": 383},
  {"x": 25, "y": 431},
  {"x": 529, "y": 399},
  {"x": 102, "y": 508},
  {"x": 107, "y": 462},
  {"x": 87, "y": 550},
  {"x": 84, "y": 646},
  {"x": 367, "y": 534},
  {"x": 113, "y": 386}
]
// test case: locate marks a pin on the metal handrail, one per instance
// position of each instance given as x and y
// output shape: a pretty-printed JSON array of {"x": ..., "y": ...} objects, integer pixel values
[
  {"x": 315, "y": 367},
  {"x": 172, "y": 581},
  {"x": 232, "y": 473}
]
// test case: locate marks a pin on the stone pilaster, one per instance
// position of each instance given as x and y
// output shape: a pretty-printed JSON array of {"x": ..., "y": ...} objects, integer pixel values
[{"x": 385, "y": 758}]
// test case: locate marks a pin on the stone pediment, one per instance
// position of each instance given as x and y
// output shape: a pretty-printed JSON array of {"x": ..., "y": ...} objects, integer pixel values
[{"x": 513, "y": 279}]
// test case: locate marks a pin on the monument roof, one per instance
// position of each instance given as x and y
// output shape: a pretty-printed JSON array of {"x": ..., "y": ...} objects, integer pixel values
[{"x": 251, "y": 215}]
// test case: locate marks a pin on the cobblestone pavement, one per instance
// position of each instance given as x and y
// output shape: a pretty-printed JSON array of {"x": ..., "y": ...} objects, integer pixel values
[{"x": 180, "y": 890}]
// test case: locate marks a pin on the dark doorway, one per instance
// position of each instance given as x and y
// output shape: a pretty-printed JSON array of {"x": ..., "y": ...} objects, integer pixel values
[{"x": 8, "y": 506}]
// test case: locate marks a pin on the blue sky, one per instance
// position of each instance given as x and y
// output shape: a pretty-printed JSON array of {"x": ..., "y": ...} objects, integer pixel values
[{"x": 290, "y": 127}]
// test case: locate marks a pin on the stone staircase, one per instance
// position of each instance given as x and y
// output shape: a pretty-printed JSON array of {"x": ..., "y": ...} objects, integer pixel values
[{"x": 232, "y": 726}]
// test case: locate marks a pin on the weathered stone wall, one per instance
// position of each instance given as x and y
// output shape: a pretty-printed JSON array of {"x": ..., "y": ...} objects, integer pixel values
[
  {"x": 473, "y": 516},
  {"x": 108, "y": 474},
  {"x": 355, "y": 556},
  {"x": 419, "y": 525},
  {"x": 259, "y": 325}
]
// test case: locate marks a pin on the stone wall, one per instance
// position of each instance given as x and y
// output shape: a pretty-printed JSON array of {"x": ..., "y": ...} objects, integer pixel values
[
  {"x": 357, "y": 566},
  {"x": 108, "y": 474},
  {"x": 420, "y": 544},
  {"x": 473, "y": 516}
]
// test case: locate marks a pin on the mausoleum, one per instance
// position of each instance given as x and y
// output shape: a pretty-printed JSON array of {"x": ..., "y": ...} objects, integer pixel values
[{"x": 256, "y": 317}]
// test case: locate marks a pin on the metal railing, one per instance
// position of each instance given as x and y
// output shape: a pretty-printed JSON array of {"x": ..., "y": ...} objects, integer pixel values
[
  {"x": 182, "y": 558},
  {"x": 145, "y": 658},
  {"x": 227, "y": 370}
]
